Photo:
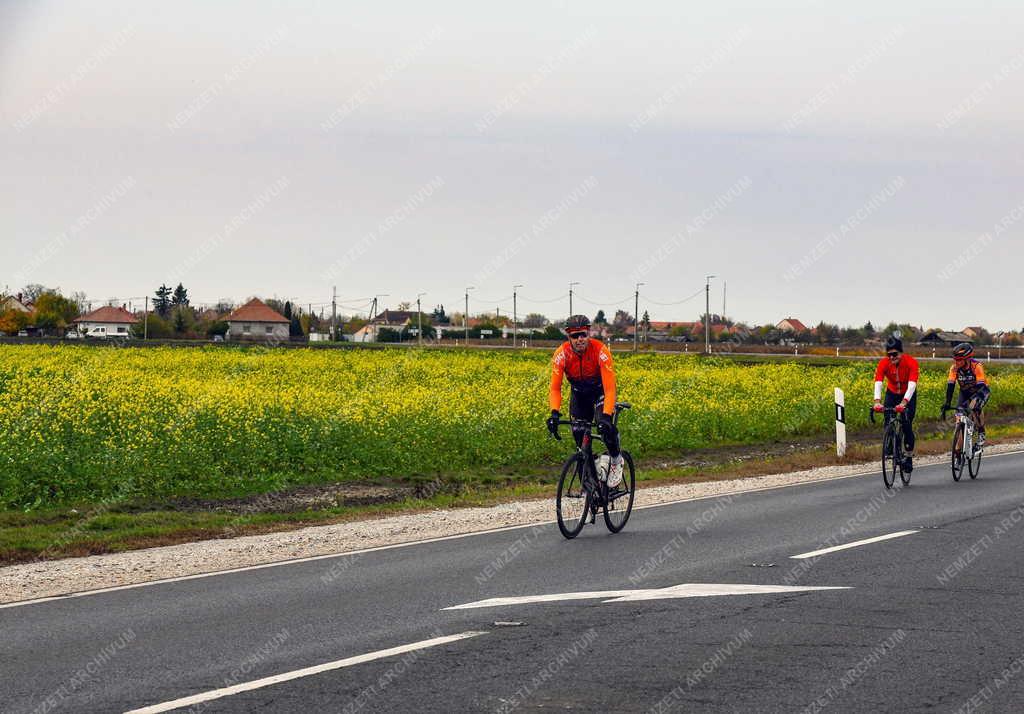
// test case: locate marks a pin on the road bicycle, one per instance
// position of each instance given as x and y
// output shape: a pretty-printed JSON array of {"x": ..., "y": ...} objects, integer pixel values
[
  {"x": 892, "y": 448},
  {"x": 965, "y": 450},
  {"x": 581, "y": 492}
]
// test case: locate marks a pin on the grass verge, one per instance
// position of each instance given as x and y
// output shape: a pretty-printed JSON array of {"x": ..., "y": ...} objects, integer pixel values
[{"x": 108, "y": 527}]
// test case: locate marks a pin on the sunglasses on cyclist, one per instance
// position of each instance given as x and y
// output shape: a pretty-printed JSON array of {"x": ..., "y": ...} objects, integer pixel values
[
  {"x": 578, "y": 335},
  {"x": 893, "y": 355}
]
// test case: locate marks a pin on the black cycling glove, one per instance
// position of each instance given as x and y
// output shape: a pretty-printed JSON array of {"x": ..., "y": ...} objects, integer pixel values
[{"x": 553, "y": 423}]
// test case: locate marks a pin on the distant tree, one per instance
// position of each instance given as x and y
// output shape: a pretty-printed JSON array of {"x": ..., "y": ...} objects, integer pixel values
[
  {"x": 217, "y": 327},
  {"x": 535, "y": 319},
  {"x": 600, "y": 319},
  {"x": 354, "y": 325},
  {"x": 404, "y": 305},
  {"x": 551, "y": 332},
  {"x": 80, "y": 299},
  {"x": 851, "y": 335},
  {"x": 622, "y": 319},
  {"x": 162, "y": 301},
  {"x": 287, "y": 309},
  {"x": 868, "y": 330},
  {"x": 386, "y": 334},
  {"x": 224, "y": 306},
  {"x": 1012, "y": 340},
  {"x": 158, "y": 328},
  {"x": 180, "y": 296},
  {"x": 11, "y": 321},
  {"x": 438, "y": 317},
  {"x": 32, "y": 291},
  {"x": 275, "y": 305},
  {"x": 827, "y": 333},
  {"x": 295, "y": 326},
  {"x": 54, "y": 311},
  {"x": 180, "y": 324}
]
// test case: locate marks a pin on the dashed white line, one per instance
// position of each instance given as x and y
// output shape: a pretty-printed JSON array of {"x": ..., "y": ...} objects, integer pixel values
[
  {"x": 298, "y": 673},
  {"x": 856, "y": 544}
]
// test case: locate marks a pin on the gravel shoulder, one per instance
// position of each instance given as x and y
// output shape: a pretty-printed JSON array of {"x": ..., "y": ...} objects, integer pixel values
[{"x": 62, "y": 577}]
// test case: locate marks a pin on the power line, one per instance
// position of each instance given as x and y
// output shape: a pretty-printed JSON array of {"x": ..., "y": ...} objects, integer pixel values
[
  {"x": 678, "y": 302},
  {"x": 605, "y": 304}
]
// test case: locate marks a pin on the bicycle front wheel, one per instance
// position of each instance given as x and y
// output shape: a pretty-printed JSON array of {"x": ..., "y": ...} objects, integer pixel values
[
  {"x": 572, "y": 504},
  {"x": 890, "y": 457},
  {"x": 957, "y": 460},
  {"x": 974, "y": 463},
  {"x": 618, "y": 502}
]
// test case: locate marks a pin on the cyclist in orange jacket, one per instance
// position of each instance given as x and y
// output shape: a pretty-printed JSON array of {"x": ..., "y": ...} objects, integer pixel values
[
  {"x": 587, "y": 363},
  {"x": 901, "y": 373},
  {"x": 974, "y": 389}
]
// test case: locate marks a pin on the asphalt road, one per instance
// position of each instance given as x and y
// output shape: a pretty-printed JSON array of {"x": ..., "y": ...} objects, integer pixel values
[{"x": 930, "y": 621}]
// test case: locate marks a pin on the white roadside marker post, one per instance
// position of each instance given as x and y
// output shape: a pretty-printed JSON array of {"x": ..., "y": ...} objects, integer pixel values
[{"x": 840, "y": 423}]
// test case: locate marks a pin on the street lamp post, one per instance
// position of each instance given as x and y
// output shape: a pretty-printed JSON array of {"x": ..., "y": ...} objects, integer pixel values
[
  {"x": 707, "y": 315},
  {"x": 636, "y": 313},
  {"x": 515, "y": 316},
  {"x": 419, "y": 318},
  {"x": 465, "y": 318},
  {"x": 570, "y": 297}
]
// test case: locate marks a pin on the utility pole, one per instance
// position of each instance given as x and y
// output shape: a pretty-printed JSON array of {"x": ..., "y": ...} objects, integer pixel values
[
  {"x": 465, "y": 318},
  {"x": 707, "y": 316},
  {"x": 570, "y": 297},
  {"x": 419, "y": 318},
  {"x": 515, "y": 316},
  {"x": 145, "y": 321},
  {"x": 636, "y": 313},
  {"x": 725, "y": 288},
  {"x": 334, "y": 315}
]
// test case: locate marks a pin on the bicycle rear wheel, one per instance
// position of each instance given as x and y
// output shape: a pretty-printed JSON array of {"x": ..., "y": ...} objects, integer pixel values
[
  {"x": 618, "y": 502},
  {"x": 572, "y": 504},
  {"x": 890, "y": 456},
  {"x": 957, "y": 460}
]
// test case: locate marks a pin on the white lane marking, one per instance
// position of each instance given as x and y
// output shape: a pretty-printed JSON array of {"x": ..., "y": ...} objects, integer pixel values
[
  {"x": 305, "y": 672},
  {"x": 676, "y": 591},
  {"x": 833, "y": 549},
  {"x": 311, "y": 558},
  {"x": 705, "y": 590}
]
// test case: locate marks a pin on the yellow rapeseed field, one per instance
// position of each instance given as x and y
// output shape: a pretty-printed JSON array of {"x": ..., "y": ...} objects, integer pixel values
[{"x": 88, "y": 422}]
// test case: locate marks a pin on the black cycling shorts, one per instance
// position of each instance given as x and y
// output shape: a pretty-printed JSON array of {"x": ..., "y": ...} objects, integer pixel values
[{"x": 979, "y": 396}]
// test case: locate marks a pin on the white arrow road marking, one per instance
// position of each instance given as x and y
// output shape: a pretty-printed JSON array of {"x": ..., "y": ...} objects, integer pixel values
[
  {"x": 675, "y": 591},
  {"x": 288, "y": 676},
  {"x": 876, "y": 539}
]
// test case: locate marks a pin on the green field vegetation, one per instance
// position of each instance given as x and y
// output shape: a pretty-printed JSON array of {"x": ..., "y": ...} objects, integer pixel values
[{"x": 91, "y": 424}]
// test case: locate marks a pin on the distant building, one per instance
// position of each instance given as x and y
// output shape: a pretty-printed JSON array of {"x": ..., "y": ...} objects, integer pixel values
[
  {"x": 938, "y": 338},
  {"x": 108, "y": 321},
  {"x": 791, "y": 324},
  {"x": 974, "y": 332},
  {"x": 255, "y": 320},
  {"x": 14, "y": 302}
]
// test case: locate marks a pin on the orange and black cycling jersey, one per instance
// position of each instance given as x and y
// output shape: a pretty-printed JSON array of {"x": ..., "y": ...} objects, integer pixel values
[
  {"x": 969, "y": 377},
  {"x": 590, "y": 371}
]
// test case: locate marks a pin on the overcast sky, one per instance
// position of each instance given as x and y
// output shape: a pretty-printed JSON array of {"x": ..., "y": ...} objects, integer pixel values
[{"x": 829, "y": 162}]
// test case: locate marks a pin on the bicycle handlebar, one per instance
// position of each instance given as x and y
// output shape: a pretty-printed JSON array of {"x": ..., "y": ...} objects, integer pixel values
[{"x": 886, "y": 410}]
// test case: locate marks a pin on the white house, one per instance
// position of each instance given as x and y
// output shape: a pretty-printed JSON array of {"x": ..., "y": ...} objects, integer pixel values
[
  {"x": 108, "y": 321},
  {"x": 256, "y": 320}
]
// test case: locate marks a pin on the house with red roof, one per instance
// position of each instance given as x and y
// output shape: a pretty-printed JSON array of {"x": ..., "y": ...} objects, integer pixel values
[
  {"x": 255, "y": 320},
  {"x": 791, "y": 324},
  {"x": 108, "y": 321}
]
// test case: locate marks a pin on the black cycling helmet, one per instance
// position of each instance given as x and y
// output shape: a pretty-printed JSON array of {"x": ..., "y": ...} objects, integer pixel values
[
  {"x": 894, "y": 343},
  {"x": 577, "y": 322},
  {"x": 963, "y": 350}
]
